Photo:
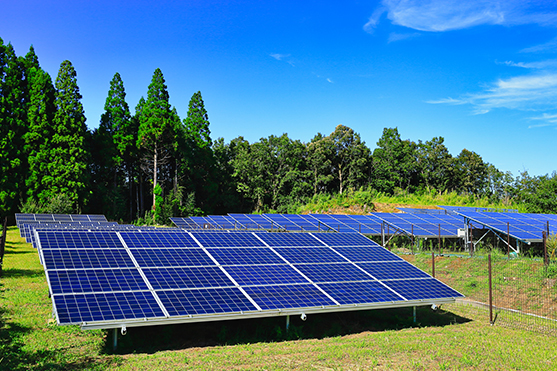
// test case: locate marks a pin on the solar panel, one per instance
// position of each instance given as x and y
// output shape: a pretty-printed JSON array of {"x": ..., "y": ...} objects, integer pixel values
[
  {"x": 522, "y": 226},
  {"x": 136, "y": 278}
]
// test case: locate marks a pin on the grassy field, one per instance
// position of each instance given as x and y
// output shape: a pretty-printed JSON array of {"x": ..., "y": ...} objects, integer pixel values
[{"x": 453, "y": 338}]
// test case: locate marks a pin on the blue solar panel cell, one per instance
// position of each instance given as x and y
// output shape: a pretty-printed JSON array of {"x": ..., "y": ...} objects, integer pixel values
[
  {"x": 289, "y": 239},
  {"x": 87, "y": 258},
  {"x": 333, "y": 272},
  {"x": 244, "y": 256},
  {"x": 79, "y": 240},
  {"x": 186, "y": 277},
  {"x": 79, "y": 308},
  {"x": 366, "y": 254},
  {"x": 393, "y": 270},
  {"x": 171, "y": 257},
  {"x": 345, "y": 239},
  {"x": 265, "y": 275},
  {"x": 224, "y": 239},
  {"x": 205, "y": 301},
  {"x": 153, "y": 239},
  {"x": 422, "y": 289},
  {"x": 288, "y": 296},
  {"x": 309, "y": 255},
  {"x": 95, "y": 280},
  {"x": 359, "y": 292}
]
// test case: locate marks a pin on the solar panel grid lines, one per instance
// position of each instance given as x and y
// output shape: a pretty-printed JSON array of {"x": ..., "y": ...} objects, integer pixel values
[
  {"x": 142, "y": 274},
  {"x": 194, "y": 283},
  {"x": 295, "y": 268},
  {"x": 195, "y": 237}
]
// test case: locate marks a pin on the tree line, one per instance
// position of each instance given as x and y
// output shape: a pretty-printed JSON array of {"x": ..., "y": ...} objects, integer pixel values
[{"x": 153, "y": 164}]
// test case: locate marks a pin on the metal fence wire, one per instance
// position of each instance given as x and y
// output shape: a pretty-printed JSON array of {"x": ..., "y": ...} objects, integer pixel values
[{"x": 523, "y": 290}]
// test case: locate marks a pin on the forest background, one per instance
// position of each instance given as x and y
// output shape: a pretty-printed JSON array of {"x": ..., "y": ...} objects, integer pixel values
[{"x": 151, "y": 164}]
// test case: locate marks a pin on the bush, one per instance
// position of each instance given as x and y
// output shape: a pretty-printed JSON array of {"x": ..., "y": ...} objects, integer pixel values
[{"x": 59, "y": 204}]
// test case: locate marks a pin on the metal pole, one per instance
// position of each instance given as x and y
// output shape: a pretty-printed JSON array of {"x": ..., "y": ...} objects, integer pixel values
[
  {"x": 287, "y": 322},
  {"x": 439, "y": 240},
  {"x": 414, "y": 314},
  {"x": 508, "y": 242},
  {"x": 471, "y": 243},
  {"x": 432, "y": 262},
  {"x": 115, "y": 340},
  {"x": 490, "y": 289},
  {"x": 360, "y": 226},
  {"x": 412, "y": 246},
  {"x": 545, "y": 257},
  {"x": 383, "y": 233}
]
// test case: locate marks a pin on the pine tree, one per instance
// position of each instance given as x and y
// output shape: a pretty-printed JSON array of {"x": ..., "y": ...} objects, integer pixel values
[
  {"x": 157, "y": 125},
  {"x": 68, "y": 157},
  {"x": 199, "y": 166},
  {"x": 40, "y": 115},
  {"x": 13, "y": 124},
  {"x": 112, "y": 142}
]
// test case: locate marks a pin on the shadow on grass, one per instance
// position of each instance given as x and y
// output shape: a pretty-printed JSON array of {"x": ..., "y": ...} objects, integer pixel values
[
  {"x": 14, "y": 357},
  {"x": 16, "y": 273},
  {"x": 172, "y": 337}
]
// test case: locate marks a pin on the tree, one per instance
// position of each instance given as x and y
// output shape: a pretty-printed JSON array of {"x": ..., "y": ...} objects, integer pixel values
[
  {"x": 319, "y": 162},
  {"x": 199, "y": 165},
  {"x": 113, "y": 143},
  {"x": 434, "y": 163},
  {"x": 470, "y": 172},
  {"x": 271, "y": 172},
  {"x": 68, "y": 157},
  {"x": 13, "y": 125},
  {"x": 157, "y": 126},
  {"x": 395, "y": 162},
  {"x": 40, "y": 115}
]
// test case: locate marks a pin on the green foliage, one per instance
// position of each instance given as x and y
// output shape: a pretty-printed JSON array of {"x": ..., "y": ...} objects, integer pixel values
[
  {"x": 198, "y": 160},
  {"x": 57, "y": 204},
  {"x": 38, "y": 139},
  {"x": 68, "y": 157},
  {"x": 13, "y": 125},
  {"x": 158, "y": 127}
]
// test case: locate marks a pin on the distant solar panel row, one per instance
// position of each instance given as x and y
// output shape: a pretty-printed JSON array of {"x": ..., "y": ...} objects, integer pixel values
[
  {"x": 115, "y": 278},
  {"x": 523, "y": 226},
  {"x": 422, "y": 225}
]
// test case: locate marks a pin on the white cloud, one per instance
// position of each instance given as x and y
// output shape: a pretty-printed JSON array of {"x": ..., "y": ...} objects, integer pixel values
[
  {"x": 394, "y": 36},
  {"x": 279, "y": 57},
  {"x": 547, "y": 64},
  {"x": 550, "y": 46},
  {"x": 445, "y": 15},
  {"x": 527, "y": 93},
  {"x": 329, "y": 80},
  {"x": 549, "y": 120}
]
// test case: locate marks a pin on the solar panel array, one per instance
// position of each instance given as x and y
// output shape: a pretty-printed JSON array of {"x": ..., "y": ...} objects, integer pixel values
[
  {"x": 523, "y": 226},
  {"x": 108, "y": 279},
  {"x": 422, "y": 225}
]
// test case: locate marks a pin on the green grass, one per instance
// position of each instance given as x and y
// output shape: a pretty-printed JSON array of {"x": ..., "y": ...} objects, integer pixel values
[{"x": 453, "y": 338}]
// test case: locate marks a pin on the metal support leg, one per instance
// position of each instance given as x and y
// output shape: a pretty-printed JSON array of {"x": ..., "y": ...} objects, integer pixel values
[
  {"x": 414, "y": 314},
  {"x": 287, "y": 322},
  {"x": 115, "y": 340}
]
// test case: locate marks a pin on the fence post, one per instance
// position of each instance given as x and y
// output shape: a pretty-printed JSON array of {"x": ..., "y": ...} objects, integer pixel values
[
  {"x": 439, "y": 240},
  {"x": 471, "y": 243},
  {"x": 433, "y": 262},
  {"x": 545, "y": 257},
  {"x": 490, "y": 289},
  {"x": 508, "y": 241},
  {"x": 412, "y": 245}
]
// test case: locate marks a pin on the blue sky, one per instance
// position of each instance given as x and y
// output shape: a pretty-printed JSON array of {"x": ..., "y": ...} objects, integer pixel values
[{"x": 481, "y": 74}]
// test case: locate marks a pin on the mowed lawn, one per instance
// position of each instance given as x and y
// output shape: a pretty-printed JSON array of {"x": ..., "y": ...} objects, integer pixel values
[{"x": 453, "y": 338}]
